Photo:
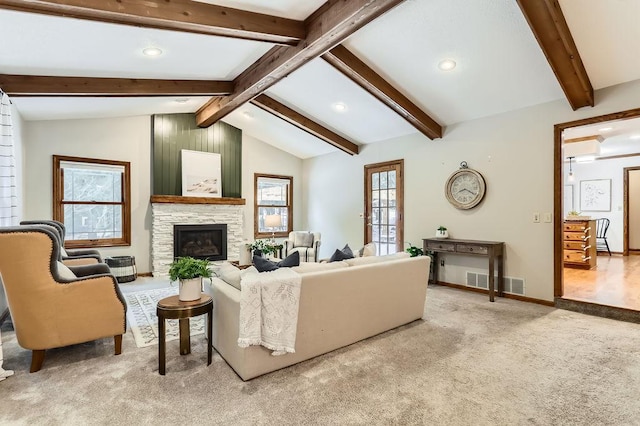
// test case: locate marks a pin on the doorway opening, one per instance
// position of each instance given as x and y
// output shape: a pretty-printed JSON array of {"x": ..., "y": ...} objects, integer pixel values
[{"x": 594, "y": 178}]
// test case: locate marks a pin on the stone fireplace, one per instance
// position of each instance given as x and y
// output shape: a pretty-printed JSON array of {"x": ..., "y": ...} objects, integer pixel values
[{"x": 170, "y": 211}]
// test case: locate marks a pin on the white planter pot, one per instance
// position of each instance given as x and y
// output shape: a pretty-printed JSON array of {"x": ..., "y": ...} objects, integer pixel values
[
  {"x": 442, "y": 234},
  {"x": 190, "y": 289}
]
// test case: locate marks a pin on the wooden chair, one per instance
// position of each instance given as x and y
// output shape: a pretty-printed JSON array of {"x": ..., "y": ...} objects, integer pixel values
[
  {"x": 51, "y": 305},
  {"x": 602, "y": 226}
]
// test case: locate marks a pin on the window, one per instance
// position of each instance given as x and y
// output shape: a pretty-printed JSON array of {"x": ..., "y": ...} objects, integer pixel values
[
  {"x": 92, "y": 198},
  {"x": 273, "y": 205}
]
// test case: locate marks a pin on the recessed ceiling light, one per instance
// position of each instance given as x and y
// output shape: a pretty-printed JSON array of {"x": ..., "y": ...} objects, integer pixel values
[
  {"x": 605, "y": 129},
  {"x": 247, "y": 114},
  {"x": 152, "y": 51},
  {"x": 447, "y": 64},
  {"x": 339, "y": 106}
]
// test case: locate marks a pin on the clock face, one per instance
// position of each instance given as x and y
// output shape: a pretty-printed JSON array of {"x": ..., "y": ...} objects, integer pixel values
[{"x": 465, "y": 188}]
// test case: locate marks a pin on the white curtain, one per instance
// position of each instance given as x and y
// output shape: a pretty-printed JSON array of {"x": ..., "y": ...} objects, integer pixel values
[{"x": 8, "y": 193}]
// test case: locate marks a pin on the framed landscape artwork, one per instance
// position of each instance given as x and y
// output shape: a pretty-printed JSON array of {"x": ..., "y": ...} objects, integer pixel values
[
  {"x": 201, "y": 174},
  {"x": 595, "y": 195}
]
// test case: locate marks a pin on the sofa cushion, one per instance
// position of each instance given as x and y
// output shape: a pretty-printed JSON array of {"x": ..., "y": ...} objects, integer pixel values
[
  {"x": 343, "y": 254},
  {"x": 302, "y": 239},
  {"x": 306, "y": 267},
  {"x": 266, "y": 265},
  {"x": 376, "y": 259}
]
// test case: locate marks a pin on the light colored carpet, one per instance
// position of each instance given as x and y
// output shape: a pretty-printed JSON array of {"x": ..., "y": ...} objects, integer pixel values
[
  {"x": 471, "y": 362},
  {"x": 142, "y": 318}
]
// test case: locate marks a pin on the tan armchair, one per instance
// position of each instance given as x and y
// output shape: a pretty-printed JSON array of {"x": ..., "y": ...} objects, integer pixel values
[
  {"x": 304, "y": 242},
  {"x": 76, "y": 257},
  {"x": 50, "y": 306}
]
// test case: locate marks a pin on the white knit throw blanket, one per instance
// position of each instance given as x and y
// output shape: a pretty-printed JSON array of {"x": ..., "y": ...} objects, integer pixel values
[{"x": 269, "y": 310}]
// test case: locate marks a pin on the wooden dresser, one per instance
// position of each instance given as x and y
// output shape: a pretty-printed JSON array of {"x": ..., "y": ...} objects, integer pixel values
[{"x": 580, "y": 244}]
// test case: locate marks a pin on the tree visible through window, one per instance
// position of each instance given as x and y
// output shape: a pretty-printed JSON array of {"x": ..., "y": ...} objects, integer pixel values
[
  {"x": 92, "y": 199},
  {"x": 273, "y": 206}
]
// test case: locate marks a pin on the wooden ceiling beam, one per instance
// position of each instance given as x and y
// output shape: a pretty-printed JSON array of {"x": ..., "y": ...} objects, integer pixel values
[
  {"x": 547, "y": 22},
  {"x": 359, "y": 72},
  {"x": 327, "y": 27},
  {"x": 175, "y": 15},
  {"x": 36, "y": 85},
  {"x": 304, "y": 123}
]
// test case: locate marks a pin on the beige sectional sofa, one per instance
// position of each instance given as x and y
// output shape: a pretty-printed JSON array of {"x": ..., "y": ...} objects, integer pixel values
[{"x": 340, "y": 303}]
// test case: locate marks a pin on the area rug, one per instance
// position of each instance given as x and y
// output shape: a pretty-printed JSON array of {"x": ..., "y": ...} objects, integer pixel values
[{"x": 143, "y": 321}]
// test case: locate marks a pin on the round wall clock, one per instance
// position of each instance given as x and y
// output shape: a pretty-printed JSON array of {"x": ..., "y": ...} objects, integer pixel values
[{"x": 465, "y": 188}]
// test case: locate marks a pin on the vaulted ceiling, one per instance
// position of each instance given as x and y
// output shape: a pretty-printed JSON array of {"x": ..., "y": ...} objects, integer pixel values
[{"x": 280, "y": 69}]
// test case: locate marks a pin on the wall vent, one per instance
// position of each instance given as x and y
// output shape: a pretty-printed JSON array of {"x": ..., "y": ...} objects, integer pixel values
[{"x": 511, "y": 285}]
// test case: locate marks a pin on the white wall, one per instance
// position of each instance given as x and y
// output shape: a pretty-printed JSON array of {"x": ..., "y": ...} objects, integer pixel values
[
  {"x": 129, "y": 139},
  {"x": 513, "y": 151},
  {"x": 605, "y": 169},
  {"x": 122, "y": 139},
  {"x": 259, "y": 157}
]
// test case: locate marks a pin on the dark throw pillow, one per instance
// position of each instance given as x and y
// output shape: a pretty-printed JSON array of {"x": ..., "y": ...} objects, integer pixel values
[
  {"x": 290, "y": 261},
  {"x": 343, "y": 254},
  {"x": 266, "y": 265}
]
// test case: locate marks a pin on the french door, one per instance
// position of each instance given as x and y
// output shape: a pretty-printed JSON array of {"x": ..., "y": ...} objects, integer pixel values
[{"x": 384, "y": 206}]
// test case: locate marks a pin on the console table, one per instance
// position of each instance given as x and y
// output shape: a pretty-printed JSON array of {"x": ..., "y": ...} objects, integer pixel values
[{"x": 494, "y": 250}]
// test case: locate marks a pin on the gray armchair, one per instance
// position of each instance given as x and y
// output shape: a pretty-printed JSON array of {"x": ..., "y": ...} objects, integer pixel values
[
  {"x": 76, "y": 257},
  {"x": 305, "y": 242}
]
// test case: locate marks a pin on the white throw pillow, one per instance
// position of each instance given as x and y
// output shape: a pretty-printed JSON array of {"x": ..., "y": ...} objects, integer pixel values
[
  {"x": 303, "y": 239},
  {"x": 229, "y": 274},
  {"x": 367, "y": 250}
]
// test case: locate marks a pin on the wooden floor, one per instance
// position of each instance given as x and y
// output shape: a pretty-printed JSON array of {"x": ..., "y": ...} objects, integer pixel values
[{"x": 615, "y": 282}]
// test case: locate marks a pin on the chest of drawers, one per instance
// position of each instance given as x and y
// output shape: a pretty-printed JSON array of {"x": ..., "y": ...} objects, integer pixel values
[{"x": 579, "y": 244}]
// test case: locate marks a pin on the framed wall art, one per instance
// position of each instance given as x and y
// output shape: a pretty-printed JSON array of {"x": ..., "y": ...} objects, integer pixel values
[
  {"x": 595, "y": 195},
  {"x": 201, "y": 174}
]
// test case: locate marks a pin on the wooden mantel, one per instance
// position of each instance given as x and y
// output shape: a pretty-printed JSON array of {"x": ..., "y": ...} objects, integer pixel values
[{"x": 177, "y": 199}]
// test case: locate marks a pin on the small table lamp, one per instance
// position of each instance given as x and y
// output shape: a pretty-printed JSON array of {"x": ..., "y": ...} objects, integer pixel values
[{"x": 273, "y": 221}]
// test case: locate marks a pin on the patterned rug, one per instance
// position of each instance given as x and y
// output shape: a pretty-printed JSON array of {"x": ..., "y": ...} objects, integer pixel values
[{"x": 143, "y": 321}]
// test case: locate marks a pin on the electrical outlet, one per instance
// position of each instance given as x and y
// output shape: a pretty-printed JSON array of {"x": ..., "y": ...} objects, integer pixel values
[
  {"x": 536, "y": 217},
  {"x": 547, "y": 217},
  {"x": 441, "y": 262}
]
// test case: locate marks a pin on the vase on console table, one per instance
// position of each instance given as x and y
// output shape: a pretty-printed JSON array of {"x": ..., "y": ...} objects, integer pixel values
[{"x": 442, "y": 232}]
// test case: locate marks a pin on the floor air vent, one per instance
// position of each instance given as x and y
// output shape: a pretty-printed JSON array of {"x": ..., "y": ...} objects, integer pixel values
[{"x": 511, "y": 285}]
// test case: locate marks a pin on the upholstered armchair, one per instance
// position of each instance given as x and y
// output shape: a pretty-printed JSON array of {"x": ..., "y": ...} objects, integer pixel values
[
  {"x": 50, "y": 305},
  {"x": 76, "y": 257},
  {"x": 304, "y": 242}
]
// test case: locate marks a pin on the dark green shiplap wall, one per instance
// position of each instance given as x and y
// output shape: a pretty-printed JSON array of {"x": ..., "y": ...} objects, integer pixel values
[{"x": 174, "y": 132}]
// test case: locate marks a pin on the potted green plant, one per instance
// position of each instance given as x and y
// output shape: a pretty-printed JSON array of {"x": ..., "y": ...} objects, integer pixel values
[
  {"x": 442, "y": 232},
  {"x": 414, "y": 251},
  {"x": 189, "y": 272},
  {"x": 264, "y": 247}
]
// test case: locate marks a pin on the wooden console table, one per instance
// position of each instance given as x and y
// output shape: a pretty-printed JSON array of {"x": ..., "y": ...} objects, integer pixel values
[{"x": 494, "y": 250}]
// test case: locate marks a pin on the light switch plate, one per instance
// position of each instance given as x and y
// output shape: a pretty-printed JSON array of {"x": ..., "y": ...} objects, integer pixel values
[
  {"x": 536, "y": 217},
  {"x": 547, "y": 217}
]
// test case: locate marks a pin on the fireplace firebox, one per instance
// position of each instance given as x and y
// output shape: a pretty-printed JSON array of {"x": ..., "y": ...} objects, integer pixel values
[{"x": 206, "y": 241}]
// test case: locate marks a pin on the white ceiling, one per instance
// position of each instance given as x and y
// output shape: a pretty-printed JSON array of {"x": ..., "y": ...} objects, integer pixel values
[{"x": 500, "y": 65}]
